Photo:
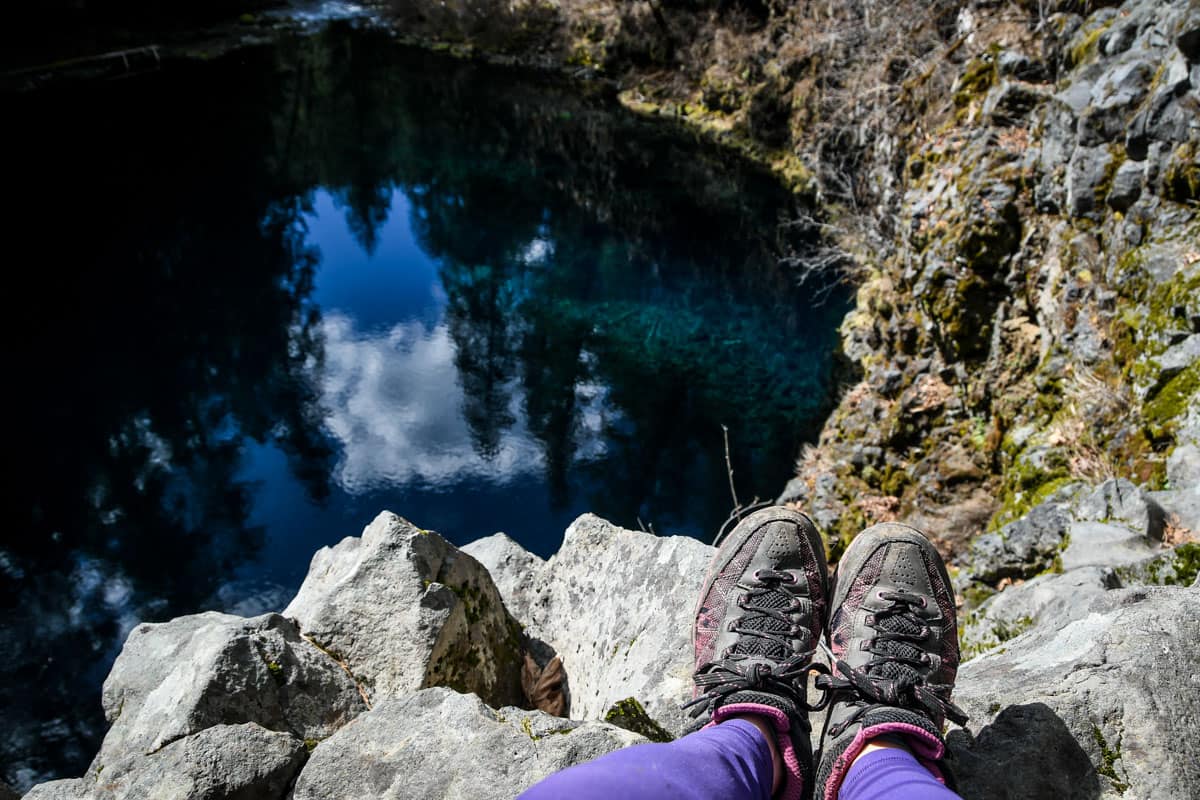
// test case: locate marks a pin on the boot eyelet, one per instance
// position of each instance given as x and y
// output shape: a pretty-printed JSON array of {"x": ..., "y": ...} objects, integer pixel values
[
  {"x": 731, "y": 627},
  {"x": 924, "y": 602},
  {"x": 866, "y": 644}
]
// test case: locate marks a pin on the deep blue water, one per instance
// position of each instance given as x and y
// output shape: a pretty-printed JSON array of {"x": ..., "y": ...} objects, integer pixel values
[{"x": 255, "y": 301}]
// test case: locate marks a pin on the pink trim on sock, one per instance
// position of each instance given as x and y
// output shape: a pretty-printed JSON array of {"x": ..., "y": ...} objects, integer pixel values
[
  {"x": 927, "y": 749},
  {"x": 793, "y": 782}
]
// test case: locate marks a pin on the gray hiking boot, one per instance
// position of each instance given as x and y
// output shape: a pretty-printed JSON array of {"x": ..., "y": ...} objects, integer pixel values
[
  {"x": 761, "y": 612},
  {"x": 894, "y": 640}
]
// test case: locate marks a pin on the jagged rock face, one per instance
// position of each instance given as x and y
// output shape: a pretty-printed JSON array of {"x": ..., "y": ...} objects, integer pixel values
[
  {"x": 616, "y": 606},
  {"x": 1066, "y": 552},
  {"x": 403, "y": 609},
  {"x": 176, "y": 679},
  {"x": 1044, "y": 270},
  {"x": 439, "y": 744},
  {"x": 1105, "y": 706}
]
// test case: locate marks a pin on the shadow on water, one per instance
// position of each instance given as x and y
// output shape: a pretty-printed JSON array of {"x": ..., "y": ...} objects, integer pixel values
[
  {"x": 1027, "y": 752},
  {"x": 611, "y": 295}
]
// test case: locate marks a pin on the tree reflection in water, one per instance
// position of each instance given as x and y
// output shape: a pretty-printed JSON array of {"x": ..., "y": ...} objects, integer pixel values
[{"x": 611, "y": 294}]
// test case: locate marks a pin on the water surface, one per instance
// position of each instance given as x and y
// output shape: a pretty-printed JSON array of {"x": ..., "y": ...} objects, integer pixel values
[{"x": 257, "y": 300}]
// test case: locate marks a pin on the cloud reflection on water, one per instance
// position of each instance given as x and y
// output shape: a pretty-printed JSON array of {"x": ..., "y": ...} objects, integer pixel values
[{"x": 394, "y": 403}]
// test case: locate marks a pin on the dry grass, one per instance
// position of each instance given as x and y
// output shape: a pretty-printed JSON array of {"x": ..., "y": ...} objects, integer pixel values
[
  {"x": 878, "y": 508},
  {"x": 1175, "y": 534},
  {"x": 1089, "y": 400}
]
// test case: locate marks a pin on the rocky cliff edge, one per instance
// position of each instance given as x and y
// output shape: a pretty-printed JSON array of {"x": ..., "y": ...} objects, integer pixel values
[{"x": 402, "y": 667}]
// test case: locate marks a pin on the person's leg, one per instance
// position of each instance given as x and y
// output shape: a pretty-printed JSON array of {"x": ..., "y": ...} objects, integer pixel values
[
  {"x": 886, "y": 771},
  {"x": 761, "y": 611},
  {"x": 729, "y": 760},
  {"x": 894, "y": 640}
]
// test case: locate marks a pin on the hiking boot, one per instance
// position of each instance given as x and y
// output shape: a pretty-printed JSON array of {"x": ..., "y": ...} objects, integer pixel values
[
  {"x": 760, "y": 615},
  {"x": 894, "y": 641}
]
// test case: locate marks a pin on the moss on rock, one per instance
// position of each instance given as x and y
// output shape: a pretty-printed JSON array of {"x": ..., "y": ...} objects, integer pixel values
[{"x": 631, "y": 715}]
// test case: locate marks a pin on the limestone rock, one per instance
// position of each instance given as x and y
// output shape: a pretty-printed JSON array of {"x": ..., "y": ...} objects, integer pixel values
[
  {"x": 1107, "y": 706},
  {"x": 405, "y": 609},
  {"x": 1117, "y": 523},
  {"x": 616, "y": 605},
  {"x": 1100, "y": 544},
  {"x": 224, "y": 761},
  {"x": 175, "y": 679},
  {"x": 1183, "y": 466},
  {"x": 1011, "y": 101},
  {"x": 1022, "y": 548},
  {"x": 1086, "y": 175},
  {"x": 1178, "y": 566},
  {"x": 1126, "y": 186},
  {"x": 67, "y": 789},
  {"x": 1115, "y": 94},
  {"x": 1051, "y": 600},
  {"x": 1179, "y": 357},
  {"x": 512, "y": 568},
  {"x": 437, "y": 743}
]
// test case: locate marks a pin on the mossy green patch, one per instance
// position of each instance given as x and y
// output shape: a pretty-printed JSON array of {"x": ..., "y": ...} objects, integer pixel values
[
  {"x": 1108, "y": 761},
  {"x": 1181, "y": 181},
  {"x": 630, "y": 715},
  {"x": 1161, "y": 414},
  {"x": 978, "y": 76},
  {"x": 1087, "y": 43}
]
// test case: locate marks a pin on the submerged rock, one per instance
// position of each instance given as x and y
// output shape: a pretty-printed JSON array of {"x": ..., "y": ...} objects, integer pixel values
[
  {"x": 403, "y": 609},
  {"x": 437, "y": 743}
]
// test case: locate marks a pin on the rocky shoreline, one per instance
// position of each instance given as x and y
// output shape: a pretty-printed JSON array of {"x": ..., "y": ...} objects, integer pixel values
[{"x": 397, "y": 669}]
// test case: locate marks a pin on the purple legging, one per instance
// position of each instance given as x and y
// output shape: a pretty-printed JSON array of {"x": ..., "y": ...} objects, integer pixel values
[{"x": 730, "y": 761}]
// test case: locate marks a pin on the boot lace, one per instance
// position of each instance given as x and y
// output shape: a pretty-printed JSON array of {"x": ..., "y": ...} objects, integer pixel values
[
  {"x": 761, "y": 658},
  {"x": 896, "y": 675}
]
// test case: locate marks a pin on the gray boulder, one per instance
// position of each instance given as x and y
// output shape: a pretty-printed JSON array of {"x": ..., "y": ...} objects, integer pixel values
[
  {"x": 1120, "y": 502},
  {"x": 1126, "y": 186},
  {"x": 616, "y": 606},
  {"x": 1114, "y": 96},
  {"x": 177, "y": 678},
  {"x": 1178, "y": 566},
  {"x": 1087, "y": 172},
  {"x": 403, "y": 609},
  {"x": 437, "y": 743},
  {"x": 1022, "y": 548},
  {"x": 1051, "y": 600},
  {"x": 1012, "y": 101},
  {"x": 1100, "y": 544},
  {"x": 1182, "y": 506},
  {"x": 512, "y": 567},
  {"x": 1107, "y": 706},
  {"x": 224, "y": 762},
  {"x": 67, "y": 789}
]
